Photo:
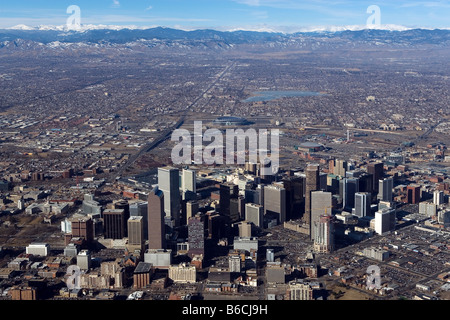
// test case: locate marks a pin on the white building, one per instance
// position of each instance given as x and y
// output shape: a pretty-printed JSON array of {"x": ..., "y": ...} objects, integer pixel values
[
  {"x": 38, "y": 249},
  {"x": 183, "y": 273},
  {"x": 385, "y": 220}
]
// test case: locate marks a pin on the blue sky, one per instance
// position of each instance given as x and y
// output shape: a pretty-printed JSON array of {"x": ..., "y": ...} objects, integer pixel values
[{"x": 227, "y": 14}]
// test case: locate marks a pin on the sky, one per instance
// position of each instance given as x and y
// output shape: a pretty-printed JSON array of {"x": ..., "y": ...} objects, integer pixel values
[{"x": 270, "y": 15}]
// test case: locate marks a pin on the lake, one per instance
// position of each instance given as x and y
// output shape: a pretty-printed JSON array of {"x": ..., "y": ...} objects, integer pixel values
[{"x": 274, "y": 95}]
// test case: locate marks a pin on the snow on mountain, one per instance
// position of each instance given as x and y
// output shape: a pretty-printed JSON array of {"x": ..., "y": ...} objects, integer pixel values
[{"x": 272, "y": 29}]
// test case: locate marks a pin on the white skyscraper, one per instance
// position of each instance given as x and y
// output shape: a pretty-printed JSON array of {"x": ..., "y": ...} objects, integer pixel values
[
  {"x": 169, "y": 184},
  {"x": 385, "y": 220}
]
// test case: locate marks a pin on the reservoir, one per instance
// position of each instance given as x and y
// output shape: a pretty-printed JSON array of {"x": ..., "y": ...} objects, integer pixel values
[{"x": 260, "y": 96}]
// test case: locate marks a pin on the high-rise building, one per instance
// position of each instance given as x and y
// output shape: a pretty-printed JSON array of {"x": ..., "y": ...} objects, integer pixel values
[
  {"x": 321, "y": 204},
  {"x": 312, "y": 184},
  {"x": 275, "y": 203},
  {"x": 340, "y": 167},
  {"x": 189, "y": 180},
  {"x": 169, "y": 184},
  {"x": 114, "y": 224},
  {"x": 294, "y": 196},
  {"x": 227, "y": 192},
  {"x": 140, "y": 209},
  {"x": 84, "y": 260},
  {"x": 324, "y": 234},
  {"x": 245, "y": 229},
  {"x": 136, "y": 231},
  {"x": 196, "y": 236},
  {"x": 255, "y": 213},
  {"x": 123, "y": 204},
  {"x": 192, "y": 208},
  {"x": 385, "y": 220},
  {"x": 376, "y": 169},
  {"x": 366, "y": 183},
  {"x": 362, "y": 204},
  {"x": 156, "y": 226},
  {"x": 413, "y": 194},
  {"x": 438, "y": 197},
  {"x": 350, "y": 188},
  {"x": 83, "y": 228},
  {"x": 385, "y": 187}
]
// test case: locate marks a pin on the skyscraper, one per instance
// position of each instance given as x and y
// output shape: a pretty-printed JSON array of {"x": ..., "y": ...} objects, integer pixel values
[
  {"x": 413, "y": 194},
  {"x": 227, "y": 192},
  {"x": 275, "y": 203},
  {"x": 294, "y": 196},
  {"x": 136, "y": 231},
  {"x": 362, "y": 204},
  {"x": 255, "y": 213},
  {"x": 324, "y": 234},
  {"x": 385, "y": 187},
  {"x": 188, "y": 184},
  {"x": 192, "y": 208},
  {"x": 312, "y": 184},
  {"x": 140, "y": 209},
  {"x": 385, "y": 220},
  {"x": 438, "y": 197},
  {"x": 156, "y": 226},
  {"x": 350, "y": 187},
  {"x": 376, "y": 169},
  {"x": 169, "y": 184},
  {"x": 114, "y": 224},
  {"x": 196, "y": 236},
  {"x": 321, "y": 204}
]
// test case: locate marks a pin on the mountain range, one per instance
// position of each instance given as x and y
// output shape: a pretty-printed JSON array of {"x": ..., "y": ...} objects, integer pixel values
[{"x": 50, "y": 36}]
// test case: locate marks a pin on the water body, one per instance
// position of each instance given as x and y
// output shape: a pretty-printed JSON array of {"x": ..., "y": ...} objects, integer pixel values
[{"x": 260, "y": 96}]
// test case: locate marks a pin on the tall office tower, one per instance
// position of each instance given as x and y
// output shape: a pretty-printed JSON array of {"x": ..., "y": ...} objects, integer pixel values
[
  {"x": 189, "y": 184},
  {"x": 377, "y": 171},
  {"x": 169, "y": 184},
  {"x": 321, "y": 204},
  {"x": 251, "y": 196},
  {"x": 312, "y": 184},
  {"x": 84, "y": 260},
  {"x": 227, "y": 192},
  {"x": 136, "y": 231},
  {"x": 216, "y": 226},
  {"x": 140, "y": 209},
  {"x": 340, "y": 168},
  {"x": 156, "y": 214},
  {"x": 366, "y": 183},
  {"x": 196, "y": 236},
  {"x": 123, "y": 204},
  {"x": 83, "y": 228},
  {"x": 260, "y": 189},
  {"x": 385, "y": 187},
  {"x": 189, "y": 180},
  {"x": 385, "y": 220},
  {"x": 323, "y": 181},
  {"x": 114, "y": 224},
  {"x": 438, "y": 197},
  {"x": 275, "y": 203},
  {"x": 234, "y": 263},
  {"x": 413, "y": 194},
  {"x": 362, "y": 204},
  {"x": 350, "y": 187},
  {"x": 294, "y": 196},
  {"x": 192, "y": 208},
  {"x": 255, "y": 213},
  {"x": 324, "y": 235},
  {"x": 245, "y": 229}
]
